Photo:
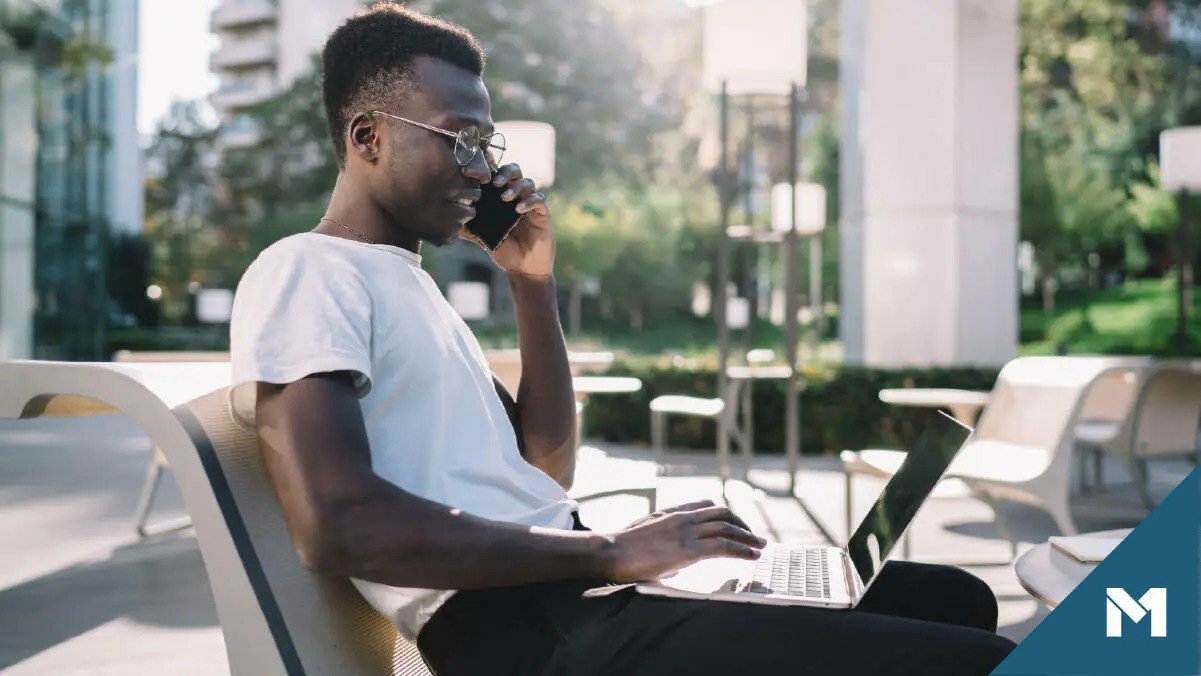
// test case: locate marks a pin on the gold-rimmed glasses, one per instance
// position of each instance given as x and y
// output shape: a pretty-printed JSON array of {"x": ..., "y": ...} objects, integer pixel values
[{"x": 468, "y": 141}]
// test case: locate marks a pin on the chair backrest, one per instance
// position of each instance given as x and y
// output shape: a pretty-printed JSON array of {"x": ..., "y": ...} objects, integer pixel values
[
  {"x": 1037, "y": 399},
  {"x": 1037, "y": 403},
  {"x": 1168, "y": 413},
  {"x": 1111, "y": 396},
  {"x": 292, "y": 621}
]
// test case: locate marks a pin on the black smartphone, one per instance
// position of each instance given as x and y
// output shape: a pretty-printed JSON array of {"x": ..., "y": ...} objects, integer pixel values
[{"x": 494, "y": 217}]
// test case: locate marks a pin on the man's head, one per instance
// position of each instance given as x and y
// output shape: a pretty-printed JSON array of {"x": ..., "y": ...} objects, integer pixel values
[{"x": 397, "y": 61}]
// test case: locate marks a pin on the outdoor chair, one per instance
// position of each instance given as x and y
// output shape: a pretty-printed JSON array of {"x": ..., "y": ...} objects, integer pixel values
[
  {"x": 276, "y": 616},
  {"x": 1163, "y": 424},
  {"x": 1021, "y": 449},
  {"x": 682, "y": 405},
  {"x": 157, "y": 463},
  {"x": 1107, "y": 419},
  {"x": 707, "y": 408}
]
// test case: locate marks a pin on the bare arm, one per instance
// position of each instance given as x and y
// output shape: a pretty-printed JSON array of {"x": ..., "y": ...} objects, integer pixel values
[
  {"x": 346, "y": 520},
  {"x": 545, "y": 398}
]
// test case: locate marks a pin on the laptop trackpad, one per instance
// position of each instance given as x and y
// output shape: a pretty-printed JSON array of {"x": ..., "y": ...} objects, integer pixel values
[{"x": 709, "y": 576}]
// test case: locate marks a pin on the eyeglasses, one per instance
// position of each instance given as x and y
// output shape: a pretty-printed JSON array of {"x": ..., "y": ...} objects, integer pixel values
[{"x": 468, "y": 141}]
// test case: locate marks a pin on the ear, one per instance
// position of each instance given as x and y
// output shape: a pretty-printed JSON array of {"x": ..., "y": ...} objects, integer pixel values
[{"x": 363, "y": 138}]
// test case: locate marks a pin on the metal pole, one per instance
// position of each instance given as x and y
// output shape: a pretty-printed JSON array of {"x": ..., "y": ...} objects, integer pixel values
[
  {"x": 815, "y": 293},
  {"x": 792, "y": 432},
  {"x": 751, "y": 252},
  {"x": 1184, "y": 274},
  {"x": 723, "y": 279}
]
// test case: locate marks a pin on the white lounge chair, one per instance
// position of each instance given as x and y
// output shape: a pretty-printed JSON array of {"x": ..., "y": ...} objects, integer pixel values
[
  {"x": 1166, "y": 417},
  {"x": 1107, "y": 419},
  {"x": 157, "y": 462},
  {"x": 276, "y": 616},
  {"x": 1021, "y": 449}
]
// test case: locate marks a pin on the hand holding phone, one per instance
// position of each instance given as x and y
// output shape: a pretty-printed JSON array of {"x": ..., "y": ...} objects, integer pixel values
[{"x": 494, "y": 217}]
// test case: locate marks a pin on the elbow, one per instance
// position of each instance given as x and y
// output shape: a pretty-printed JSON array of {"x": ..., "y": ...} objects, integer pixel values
[
  {"x": 566, "y": 477},
  {"x": 320, "y": 546},
  {"x": 564, "y": 470}
]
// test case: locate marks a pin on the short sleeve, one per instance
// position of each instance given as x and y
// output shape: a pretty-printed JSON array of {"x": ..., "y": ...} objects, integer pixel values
[{"x": 298, "y": 312}]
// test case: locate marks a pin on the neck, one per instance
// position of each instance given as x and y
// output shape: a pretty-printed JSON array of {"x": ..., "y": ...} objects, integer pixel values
[{"x": 350, "y": 206}]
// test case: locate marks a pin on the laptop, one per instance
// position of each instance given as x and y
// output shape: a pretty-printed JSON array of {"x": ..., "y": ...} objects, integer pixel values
[{"x": 824, "y": 576}]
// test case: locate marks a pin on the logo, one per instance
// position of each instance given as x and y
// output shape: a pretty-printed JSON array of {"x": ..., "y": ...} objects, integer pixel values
[{"x": 1154, "y": 603}]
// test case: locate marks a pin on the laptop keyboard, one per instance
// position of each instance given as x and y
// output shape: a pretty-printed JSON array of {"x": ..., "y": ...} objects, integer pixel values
[{"x": 798, "y": 571}]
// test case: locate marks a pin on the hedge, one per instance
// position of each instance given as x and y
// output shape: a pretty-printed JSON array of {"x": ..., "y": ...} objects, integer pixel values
[{"x": 840, "y": 407}]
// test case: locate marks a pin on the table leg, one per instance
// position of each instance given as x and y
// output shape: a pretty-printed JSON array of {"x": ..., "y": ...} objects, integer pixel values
[
  {"x": 725, "y": 429},
  {"x": 748, "y": 428}
]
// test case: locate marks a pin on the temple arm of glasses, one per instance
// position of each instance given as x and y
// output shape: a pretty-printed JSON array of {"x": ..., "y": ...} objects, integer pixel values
[{"x": 423, "y": 125}]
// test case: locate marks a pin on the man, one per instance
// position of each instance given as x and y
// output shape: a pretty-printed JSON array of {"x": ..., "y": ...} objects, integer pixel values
[{"x": 400, "y": 462}]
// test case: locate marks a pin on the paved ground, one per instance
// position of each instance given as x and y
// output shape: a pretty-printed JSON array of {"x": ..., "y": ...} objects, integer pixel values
[{"x": 79, "y": 593}]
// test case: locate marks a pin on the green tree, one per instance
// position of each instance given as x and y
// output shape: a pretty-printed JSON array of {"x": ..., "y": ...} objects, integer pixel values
[
  {"x": 184, "y": 243},
  {"x": 1099, "y": 80},
  {"x": 570, "y": 63}
]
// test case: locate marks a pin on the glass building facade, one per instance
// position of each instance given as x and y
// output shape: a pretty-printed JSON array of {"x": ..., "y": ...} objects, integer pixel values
[{"x": 58, "y": 129}]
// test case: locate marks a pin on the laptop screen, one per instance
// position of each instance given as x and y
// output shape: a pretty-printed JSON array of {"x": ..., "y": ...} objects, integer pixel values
[{"x": 884, "y": 524}]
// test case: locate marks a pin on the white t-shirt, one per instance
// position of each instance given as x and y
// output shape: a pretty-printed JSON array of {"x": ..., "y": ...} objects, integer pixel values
[{"x": 313, "y": 303}]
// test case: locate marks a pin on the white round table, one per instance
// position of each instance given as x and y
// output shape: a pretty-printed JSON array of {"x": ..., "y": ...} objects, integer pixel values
[
  {"x": 964, "y": 405},
  {"x": 1049, "y": 575}
]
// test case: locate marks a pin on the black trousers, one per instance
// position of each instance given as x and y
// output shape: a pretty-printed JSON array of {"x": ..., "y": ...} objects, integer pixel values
[{"x": 915, "y": 619}]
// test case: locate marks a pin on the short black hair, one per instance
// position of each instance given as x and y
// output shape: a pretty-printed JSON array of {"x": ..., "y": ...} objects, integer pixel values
[{"x": 367, "y": 62}]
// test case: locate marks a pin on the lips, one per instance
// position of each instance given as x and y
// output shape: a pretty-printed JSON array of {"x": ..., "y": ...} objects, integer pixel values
[{"x": 467, "y": 212}]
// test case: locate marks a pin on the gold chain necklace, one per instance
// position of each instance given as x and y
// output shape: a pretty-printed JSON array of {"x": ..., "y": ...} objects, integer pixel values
[{"x": 347, "y": 228}]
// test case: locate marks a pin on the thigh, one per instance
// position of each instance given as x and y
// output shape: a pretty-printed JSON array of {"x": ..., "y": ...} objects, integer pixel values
[
  {"x": 930, "y": 592},
  {"x": 650, "y": 635}
]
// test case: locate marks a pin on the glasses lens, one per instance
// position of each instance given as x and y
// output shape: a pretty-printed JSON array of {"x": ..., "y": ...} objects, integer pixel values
[
  {"x": 467, "y": 144},
  {"x": 494, "y": 145}
]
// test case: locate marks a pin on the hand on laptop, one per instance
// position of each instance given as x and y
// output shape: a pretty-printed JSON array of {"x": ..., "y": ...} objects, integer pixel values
[{"x": 667, "y": 540}]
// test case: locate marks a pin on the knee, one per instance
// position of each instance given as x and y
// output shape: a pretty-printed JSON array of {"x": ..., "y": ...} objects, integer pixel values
[{"x": 974, "y": 600}]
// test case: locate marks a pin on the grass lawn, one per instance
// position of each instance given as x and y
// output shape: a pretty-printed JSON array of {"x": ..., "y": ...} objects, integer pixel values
[{"x": 1138, "y": 317}]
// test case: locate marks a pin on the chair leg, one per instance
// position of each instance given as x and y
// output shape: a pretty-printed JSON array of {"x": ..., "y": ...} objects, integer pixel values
[
  {"x": 725, "y": 426},
  {"x": 1142, "y": 482},
  {"x": 658, "y": 439},
  {"x": 748, "y": 427},
  {"x": 1098, "y": 480},
  {"x": 850, "y": 500},
  {"x": 1002, "y": 521},
  {"x": 1082, "y": 475},
  {"x": 154, "y": 474},
  {"x": 1062, "y": 515}
]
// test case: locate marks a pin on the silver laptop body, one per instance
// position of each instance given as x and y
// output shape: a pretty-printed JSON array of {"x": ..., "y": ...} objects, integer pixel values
[{"x": 823, "y": 576}]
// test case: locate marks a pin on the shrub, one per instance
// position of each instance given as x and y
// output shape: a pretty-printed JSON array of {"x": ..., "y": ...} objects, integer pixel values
[{"x": 840, "y": 407}]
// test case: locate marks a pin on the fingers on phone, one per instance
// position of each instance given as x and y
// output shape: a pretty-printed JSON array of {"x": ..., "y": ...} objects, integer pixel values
[
  {"x": 518, "y": 188},
  {"x": 506, "y": 174},
  {"x": 531, "y": 201}
]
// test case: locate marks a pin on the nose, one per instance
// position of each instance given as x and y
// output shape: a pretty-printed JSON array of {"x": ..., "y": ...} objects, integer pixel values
[{"x": 478, "y": 169}]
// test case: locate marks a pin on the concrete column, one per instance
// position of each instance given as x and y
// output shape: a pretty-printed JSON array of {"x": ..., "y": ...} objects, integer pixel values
[
  {"x": 929, "y": 181},
  {"x": 18, "y": 153},
  {"x": 126, "y": 186}
]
